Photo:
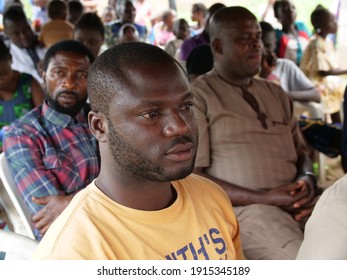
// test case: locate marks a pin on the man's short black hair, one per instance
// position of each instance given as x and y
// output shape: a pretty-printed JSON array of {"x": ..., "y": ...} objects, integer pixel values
[
  {"x": 90, "y": 21},
  {"x": 277, "y": 6},
  {"x": 14, "y": 13},
  {"x": 68, "y": 46},
  {"x": 266, "y": 27},
  {"x": 200, "y": 7},
  {"x": 319, "y": 16},
  {"x": 109, "y": 73},
  {"x": 225, "y": 17},
  {"x": 57, "y": 9}
]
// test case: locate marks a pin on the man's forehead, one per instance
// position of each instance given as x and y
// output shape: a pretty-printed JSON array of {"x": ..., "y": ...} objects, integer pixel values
[
  {"x": 14, "y": 24},
  {"x": 63, "y": 57},
  {"x": 240, "y": 24}
]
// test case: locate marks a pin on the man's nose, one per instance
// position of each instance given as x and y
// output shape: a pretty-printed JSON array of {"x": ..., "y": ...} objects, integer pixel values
[
  {"x": 175, "y": 125},
  {"x": 69, "y": 80},
  {"x": 256, "y": 43}
]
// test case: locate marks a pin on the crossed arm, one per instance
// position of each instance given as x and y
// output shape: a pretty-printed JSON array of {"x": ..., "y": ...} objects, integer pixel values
[{"x": 37, "y": 184}]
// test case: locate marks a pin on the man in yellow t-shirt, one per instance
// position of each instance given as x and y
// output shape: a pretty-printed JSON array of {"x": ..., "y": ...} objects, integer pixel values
[{"x": 145, "y": 204}]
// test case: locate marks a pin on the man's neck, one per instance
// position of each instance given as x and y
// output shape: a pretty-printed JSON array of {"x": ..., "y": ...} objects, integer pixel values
[
  {"x": 289, "y": 28},
  {"x": 141, "y": 196},
  {"x": 234, "y": 80}
]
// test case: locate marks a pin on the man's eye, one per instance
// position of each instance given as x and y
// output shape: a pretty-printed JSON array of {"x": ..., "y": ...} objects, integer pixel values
[
  {"x": 151, "y": 115},
  {"x": 187, "y": 106},
  {"x": 82, "y": 76},
  {"x": 59, "y": 73},
  {"x": 244, "y": 37}
]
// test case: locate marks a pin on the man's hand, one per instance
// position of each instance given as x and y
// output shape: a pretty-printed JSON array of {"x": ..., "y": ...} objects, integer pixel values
[
  {"x": 54, "y": 205},
  {"x": 306, "y": 211},
  {"x": 304, "y": 207},
  {"x": 309, "y": 183},
  {"x": 285, "y": 196}
]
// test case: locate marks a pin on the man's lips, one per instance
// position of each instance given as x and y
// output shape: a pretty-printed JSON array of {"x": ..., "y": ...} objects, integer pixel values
[
  {"x": 181, "y": 152},
  {"x": 67, "y": 97},
  {"x": 256, "y": 56}
]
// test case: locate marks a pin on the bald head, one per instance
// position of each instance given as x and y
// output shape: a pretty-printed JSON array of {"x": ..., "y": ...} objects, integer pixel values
[
  {"x": 112, "y": 71},
  {"x": 235, "y": 37},
  {"x": 226, "y": 18}
]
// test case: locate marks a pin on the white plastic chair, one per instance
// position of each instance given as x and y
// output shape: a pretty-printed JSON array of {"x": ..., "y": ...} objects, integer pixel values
[
  {"x": 12, "y": 202},
  {"x": 14, "y": 246}
]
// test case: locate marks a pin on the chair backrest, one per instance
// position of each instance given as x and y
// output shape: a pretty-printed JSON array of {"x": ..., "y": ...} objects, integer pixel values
[
  {"x": 15, "y": 208},
  {"x": 14, "y": 246}
]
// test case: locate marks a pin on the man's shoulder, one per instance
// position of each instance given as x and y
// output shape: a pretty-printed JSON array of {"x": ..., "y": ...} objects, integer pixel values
[
  {"x": 140, "y": 28},
  {"x": 285, "y": 61},
  {"x": 205, "y": 79},
  {"x": 201, "y": 184},
  {"x": 260, "y": 83},
  {"x": 336, "y": 193},
  {"x": 115, "y": 24},
  {"x": 29, "y": 120},
  {"x": 196, "y": 40}
]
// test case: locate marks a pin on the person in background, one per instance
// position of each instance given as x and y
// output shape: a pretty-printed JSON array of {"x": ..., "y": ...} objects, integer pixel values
[
  {"x": 320, "y": 64},
  {"x": 201, "y": 39},
  {"x": 114, "y": 4},
  {"x": 19, "y": 92},
  {"x": 50, "y": 151},
  {"x": 250, "y": 142},
  {"x": 284, "y": 71},
  {"x": 127, "y": 13},
  {"x": 145, "y": 195},
  {"x": 266, "y": 13},
  {"x": 162, "y": 32},
  {"x": 293, "y": 37},
  {"x": 90, "y": 6},
  {"x": 200, "y": 61},
  {"x": 40, "y": 14},
  {"x": 58, "y": 28},
  {"x": 128, "y": 33},
  {"x": 89, "y": 30},
  {"x": 2, "y": 6},
  {"x": 76, "y": 9},
  {"x": 143, "y": 13},
  {"x": 181, "y": 31},
  {"x": 326, "y": 229},
  {"x": 25, "y": 48},
  {"x": 108, "y": 14},
  {"x": 198, "y": 15}
]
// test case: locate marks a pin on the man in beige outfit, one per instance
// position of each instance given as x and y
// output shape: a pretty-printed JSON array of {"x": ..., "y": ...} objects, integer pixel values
[{"x": 250, "y": 142}]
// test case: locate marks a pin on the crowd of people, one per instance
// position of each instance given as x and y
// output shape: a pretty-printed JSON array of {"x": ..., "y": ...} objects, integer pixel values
[{"x": 130, "y": 137}]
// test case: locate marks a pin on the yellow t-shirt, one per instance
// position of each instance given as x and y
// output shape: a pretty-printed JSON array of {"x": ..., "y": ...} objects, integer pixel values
[{"x": 200, "y": 224}]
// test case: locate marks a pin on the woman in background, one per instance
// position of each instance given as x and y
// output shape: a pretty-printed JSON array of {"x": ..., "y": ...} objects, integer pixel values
[{"x": 19, "y": 92}]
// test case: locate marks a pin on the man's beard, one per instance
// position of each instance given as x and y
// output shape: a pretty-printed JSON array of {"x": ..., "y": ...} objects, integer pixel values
[
  {"x": 138, "y": 164},
  {"x": 72, "y": 110}
]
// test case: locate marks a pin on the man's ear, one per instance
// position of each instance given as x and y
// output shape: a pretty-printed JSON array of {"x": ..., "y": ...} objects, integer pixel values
[
  {"x": 217, "y": 46},
  {"x": 43, "y": 76},
  {"x": 98, "y": 125}
]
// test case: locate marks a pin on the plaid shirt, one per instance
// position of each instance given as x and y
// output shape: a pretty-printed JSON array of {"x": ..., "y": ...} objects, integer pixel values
[{"x": 50, "y": 153}]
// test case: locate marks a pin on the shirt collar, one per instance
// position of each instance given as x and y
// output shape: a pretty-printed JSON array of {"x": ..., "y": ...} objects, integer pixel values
[{"x": 61, "y": 119}]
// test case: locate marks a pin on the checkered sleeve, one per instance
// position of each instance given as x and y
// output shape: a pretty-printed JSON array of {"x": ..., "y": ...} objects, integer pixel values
[{"x": 28, "y": 168}]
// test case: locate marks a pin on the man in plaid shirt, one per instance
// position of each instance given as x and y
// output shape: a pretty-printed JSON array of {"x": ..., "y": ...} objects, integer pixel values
[{"x": 50, "y": 151}]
